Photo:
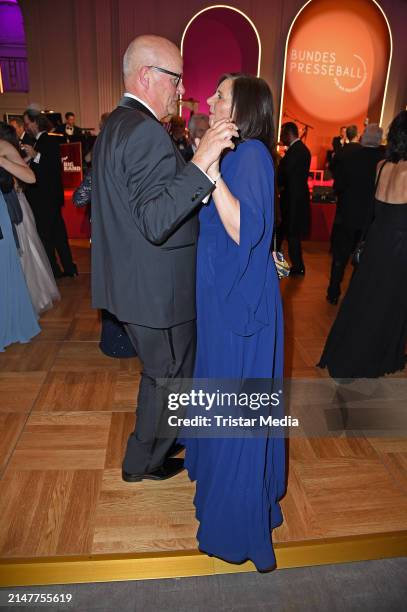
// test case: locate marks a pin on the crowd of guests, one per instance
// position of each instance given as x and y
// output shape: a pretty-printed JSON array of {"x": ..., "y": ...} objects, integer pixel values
[
  {"x": 32, "y": 230},
  {"x": 182, "y": 233},
  {"x": 369, "y": 336}
]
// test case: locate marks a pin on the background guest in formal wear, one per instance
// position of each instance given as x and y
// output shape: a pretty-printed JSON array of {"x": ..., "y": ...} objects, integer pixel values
[
  {"x": 23, "y": 138},
  {"x": 368, "y": 338},
  {"x": 338, "y": 142},
  {"x": 144, "y": 231},
  {"x": 354, "y": 183},
  {"x": 197, "y": 126},
  {"x": 70, "y": 131},
  {"x": 179, "y": 136},
  {"x": 46, "y": 196},
  {"x": 36, "y": 267},
  {"x": 349, "y": 146},
  {"x": 292, "y": 180},
  {"x": 114, "y": 341},
  {"x": 18, "y": 320}
]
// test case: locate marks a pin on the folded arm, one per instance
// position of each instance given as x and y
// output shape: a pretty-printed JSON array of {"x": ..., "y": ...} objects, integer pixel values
[{"x": 11, "y": 161}]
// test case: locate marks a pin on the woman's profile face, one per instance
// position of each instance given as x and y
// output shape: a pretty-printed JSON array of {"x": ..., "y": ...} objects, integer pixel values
[{"x": 220, "y": 104}]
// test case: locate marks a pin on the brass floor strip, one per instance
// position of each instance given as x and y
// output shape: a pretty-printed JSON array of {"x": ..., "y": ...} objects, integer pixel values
[{"x": 175, "y": 564}]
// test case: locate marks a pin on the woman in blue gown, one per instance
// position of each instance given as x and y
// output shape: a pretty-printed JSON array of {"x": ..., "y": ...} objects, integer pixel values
[
  {"x": 18, "y": 321},
  {"x": 239, "y": 331}
]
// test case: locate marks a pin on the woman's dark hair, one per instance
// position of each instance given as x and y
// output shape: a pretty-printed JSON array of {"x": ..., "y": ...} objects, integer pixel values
[
  {"x": 8, "y": 133},
  {"x": 252, "y": 108},
  {"x": 397, "y": 139},
  {"x": 44, "y": 125}
]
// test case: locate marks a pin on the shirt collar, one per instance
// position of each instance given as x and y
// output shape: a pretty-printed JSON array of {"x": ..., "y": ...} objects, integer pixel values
[
  {"x": 39, "y": 134},
  {"x": 129, "y": 95},
  {"x": 294, "y": 141}
]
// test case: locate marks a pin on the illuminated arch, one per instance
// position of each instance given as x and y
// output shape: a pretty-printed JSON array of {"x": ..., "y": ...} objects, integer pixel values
[
  {"x": 232, "y": 8},
  {"x": 285, "y": 60},
  {"x": 247, "y": 19}
]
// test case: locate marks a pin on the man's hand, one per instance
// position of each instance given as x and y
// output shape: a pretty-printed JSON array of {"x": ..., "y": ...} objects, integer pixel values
[
  {"x": 29, "y": 151},
  {"x": 215, "y": 140}
]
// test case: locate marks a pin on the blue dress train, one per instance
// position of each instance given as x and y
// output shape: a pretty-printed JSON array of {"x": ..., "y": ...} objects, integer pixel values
[
  {"x": 239, "y": 336},
  {"x": 18, "y": 321}
]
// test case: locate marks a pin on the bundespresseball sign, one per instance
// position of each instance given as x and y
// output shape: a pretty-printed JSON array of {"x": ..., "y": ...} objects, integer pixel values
[
  {"x": 330, "y": 65},
  {"x": 337, "y": 60}
]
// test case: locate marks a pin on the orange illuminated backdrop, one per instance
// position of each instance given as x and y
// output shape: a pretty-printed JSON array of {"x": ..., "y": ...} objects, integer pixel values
[{"x": 337, "y": 60}]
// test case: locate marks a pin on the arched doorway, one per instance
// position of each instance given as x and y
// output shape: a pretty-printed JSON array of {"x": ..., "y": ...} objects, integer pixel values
[
  {"x": 217, "y": 39},
  {"x": 337, "y": 62}
]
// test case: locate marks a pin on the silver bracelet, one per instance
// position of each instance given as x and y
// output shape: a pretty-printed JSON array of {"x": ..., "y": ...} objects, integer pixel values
[{"x": 215, "y": 180}]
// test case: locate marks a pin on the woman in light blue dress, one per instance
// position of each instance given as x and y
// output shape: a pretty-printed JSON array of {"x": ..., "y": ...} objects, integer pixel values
[{"x": 18, "y": 320}]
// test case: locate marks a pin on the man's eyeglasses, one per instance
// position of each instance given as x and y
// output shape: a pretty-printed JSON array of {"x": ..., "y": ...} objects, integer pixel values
[{"x": 176, "y": 75}]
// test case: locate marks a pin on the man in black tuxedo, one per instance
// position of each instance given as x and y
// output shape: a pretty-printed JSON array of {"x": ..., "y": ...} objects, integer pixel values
[
  {"x": 292, "y": 180},
  {"x": 338, "y": 142},
  {"x": 354, "y": 185},
  {"x": 145, "y": 201},
  {"x": 46, "y": 195},
  {"x": 70, "y": 131}
]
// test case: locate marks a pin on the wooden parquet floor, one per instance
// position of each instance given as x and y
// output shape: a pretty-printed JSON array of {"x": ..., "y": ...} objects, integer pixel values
[{"x": 66, "y": 411}]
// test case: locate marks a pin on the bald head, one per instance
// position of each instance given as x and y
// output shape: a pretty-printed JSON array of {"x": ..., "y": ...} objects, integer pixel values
[
  {"x": 158, "y": 88},
  {"x": 147, "y": 50}
]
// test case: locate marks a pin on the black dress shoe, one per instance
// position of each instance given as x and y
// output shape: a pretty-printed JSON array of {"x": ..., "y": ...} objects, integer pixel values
[
  {"x": 170, "y": 468},
  {"x": 74, "y": 272},
  {"x": 332, "y": 300},
  {"x": 175, "y": 450},
  {"x": 297, "y": 271}
]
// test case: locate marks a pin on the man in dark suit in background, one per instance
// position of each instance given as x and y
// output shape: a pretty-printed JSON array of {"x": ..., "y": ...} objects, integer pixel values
[
  {"x": 351, "y": 144},
  {"x": 338, "y": 142},
  {"x": 46, "y": 195},
  {"x": 23, "y": 137},
  {"x": 178, "y": 134},
  {"x": 145, "y": 201},
  {"x": 354, "y": 184},
  {"x": 70, "y": 131},
  {"x": 292, "y": 180}
]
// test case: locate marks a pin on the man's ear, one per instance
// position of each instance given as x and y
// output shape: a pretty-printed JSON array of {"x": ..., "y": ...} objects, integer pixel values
[{"x": 144, "y": 77}]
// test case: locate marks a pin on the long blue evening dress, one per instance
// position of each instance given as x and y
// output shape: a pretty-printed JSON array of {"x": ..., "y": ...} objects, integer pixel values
[
  {"x": 18, "y": 321},
  {"x": 239, "y": 336}
]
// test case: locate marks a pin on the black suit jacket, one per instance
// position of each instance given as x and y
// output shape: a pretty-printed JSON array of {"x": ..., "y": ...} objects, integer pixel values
[
  {"x": 354, "y": 183},
  {"x": 27, "y": 139},
  {"x": 292, "y": 180},
  {"x": 337, "y": 145},
  {"x": 337, "y": 162},
  {"x": 145, "y": 201},
  {"x": 47, "y": 193}
]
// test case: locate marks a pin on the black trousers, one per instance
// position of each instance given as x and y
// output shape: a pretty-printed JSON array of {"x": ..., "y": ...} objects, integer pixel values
[
  {"x": 166, "y": 354},
  {"x": 52, "y": 231},
  {"x": 343, "y": 243},
  {"x": 294, "y": 245}
]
